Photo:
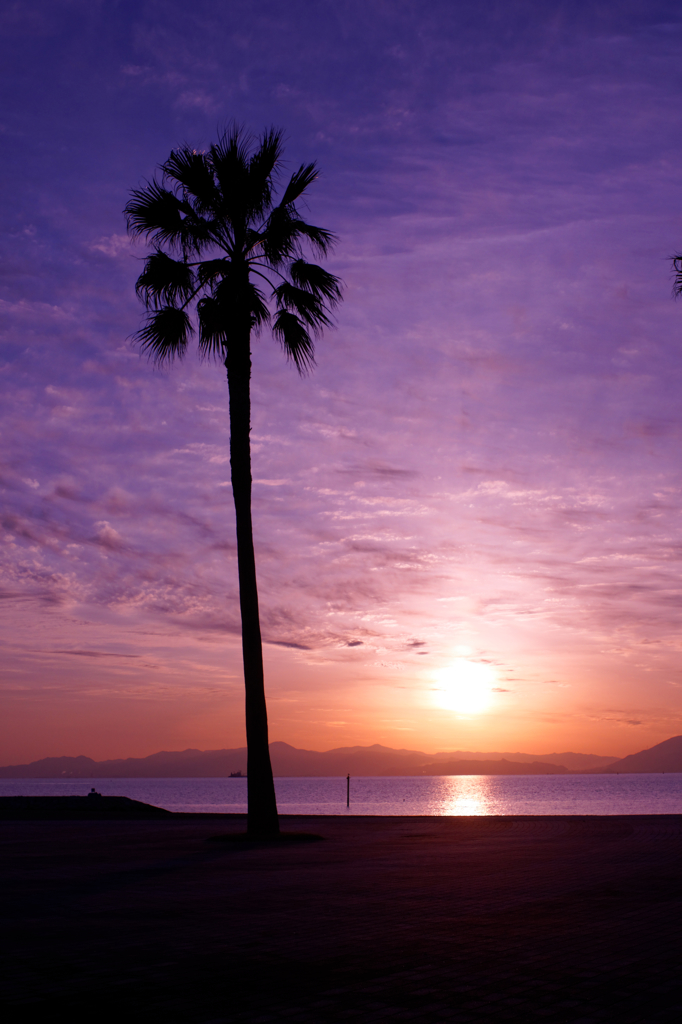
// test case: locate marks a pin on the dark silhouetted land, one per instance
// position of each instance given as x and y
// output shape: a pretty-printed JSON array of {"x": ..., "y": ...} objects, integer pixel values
[
  {"x": 502, "y": 767},
  {"x": 368, "y": 761},
  {"x": 664, "y": 757},
  {"x": 290, "y": 761},
  {"x": 565, "y": 920},
  {"x": 78, "y": 808}
]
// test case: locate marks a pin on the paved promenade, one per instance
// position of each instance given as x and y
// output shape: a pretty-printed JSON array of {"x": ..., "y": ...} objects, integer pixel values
[{"x": 575, "y": 920}]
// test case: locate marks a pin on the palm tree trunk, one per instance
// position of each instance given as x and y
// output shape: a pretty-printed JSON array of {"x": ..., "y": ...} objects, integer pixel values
[{"x": 262, "y": 807}]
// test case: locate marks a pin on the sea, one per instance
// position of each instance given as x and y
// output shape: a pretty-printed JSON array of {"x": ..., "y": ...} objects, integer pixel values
[{"x": 446, "y": 795}]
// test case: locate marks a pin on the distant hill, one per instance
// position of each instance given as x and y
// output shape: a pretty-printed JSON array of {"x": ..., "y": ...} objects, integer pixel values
[
  {"x": 572, "y": 761},
  {"x": 664, "y": 757},
  {"x": 289, "y": 761},
  {"x": 502, "y": 767}
]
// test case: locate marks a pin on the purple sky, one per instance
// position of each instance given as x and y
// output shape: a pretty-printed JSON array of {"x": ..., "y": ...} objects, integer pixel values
[{"x": 484, "y": 470}]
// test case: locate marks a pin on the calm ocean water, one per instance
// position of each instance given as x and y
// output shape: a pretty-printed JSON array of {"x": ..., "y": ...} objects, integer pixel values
[{"x": 438, "y": 795}]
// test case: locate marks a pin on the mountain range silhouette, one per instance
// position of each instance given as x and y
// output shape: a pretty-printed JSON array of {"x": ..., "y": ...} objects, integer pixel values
[{"x": 375, "y": 760}]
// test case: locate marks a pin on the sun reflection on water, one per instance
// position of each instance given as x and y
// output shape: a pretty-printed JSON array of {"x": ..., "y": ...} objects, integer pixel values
[{"x": 467, "y": 795}]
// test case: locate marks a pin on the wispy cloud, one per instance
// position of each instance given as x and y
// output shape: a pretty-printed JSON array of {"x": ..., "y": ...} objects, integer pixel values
[{"x": 487, "y": 456}]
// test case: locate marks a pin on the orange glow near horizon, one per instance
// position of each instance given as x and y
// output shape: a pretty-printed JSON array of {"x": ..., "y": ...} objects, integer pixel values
[{"x": 180, "y": 694}]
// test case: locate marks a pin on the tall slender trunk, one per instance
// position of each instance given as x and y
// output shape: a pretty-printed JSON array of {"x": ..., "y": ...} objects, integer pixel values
[{"x": 262, "y": 812}]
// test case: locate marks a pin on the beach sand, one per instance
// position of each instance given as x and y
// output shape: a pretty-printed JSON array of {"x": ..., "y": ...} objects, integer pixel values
[{"x": 555, "y": 919}]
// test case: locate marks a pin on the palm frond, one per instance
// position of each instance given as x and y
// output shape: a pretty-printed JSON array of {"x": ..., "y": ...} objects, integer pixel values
[
  {"x": 676, "y": 261},
  {"x": 316, "y": 280},
  {"x": 298, "y": 183},
  {"x": 295, "y": 340},
  {"x": 283, "y": 235},
  {"x": 165, "y": 219},
  {"x": 165, "y": 335},
  {"x": 262, "y": 168},
  {"x": 307, "y": 307},
  {"x": 320, "y": 240},
  {"x": 260, "y": 314},
  {"x": 214, "y": 326},
  {"x": 246, "y": 176},
  {"x": 279, "y": 240},
  {"x": 233, "y": 147},
  {"x": 193, "y": 171},
  {"x": 252, "y": 239},
  {"x": 164, "y": 281},
  {"x": 155, "y": 212},
  {"x": 209, "y": 270},
  {"x": 230, "y": 159}
]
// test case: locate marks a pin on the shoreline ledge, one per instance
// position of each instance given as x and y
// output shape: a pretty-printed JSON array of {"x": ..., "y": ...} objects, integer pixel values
[{"x": 95, "y": 807}]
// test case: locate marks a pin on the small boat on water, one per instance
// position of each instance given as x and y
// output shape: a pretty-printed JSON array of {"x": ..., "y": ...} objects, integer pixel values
[{"x": 237, "y": 775}]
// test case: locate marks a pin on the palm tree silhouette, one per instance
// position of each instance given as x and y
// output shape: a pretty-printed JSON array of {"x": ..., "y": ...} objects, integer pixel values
[
  {"x": 676, "y": 261},
  {"x": 218, "y": 240}
]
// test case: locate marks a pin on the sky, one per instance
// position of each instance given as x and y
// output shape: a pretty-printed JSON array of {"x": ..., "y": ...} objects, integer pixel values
[{"x": 468, "y": 519}]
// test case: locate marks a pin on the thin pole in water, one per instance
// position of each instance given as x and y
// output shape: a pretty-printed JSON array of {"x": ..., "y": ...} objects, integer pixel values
[{"x": 348, "y": 790}]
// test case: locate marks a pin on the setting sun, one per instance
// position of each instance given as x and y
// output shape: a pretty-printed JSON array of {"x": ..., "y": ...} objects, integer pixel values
[{"x": 464, "y": 686}]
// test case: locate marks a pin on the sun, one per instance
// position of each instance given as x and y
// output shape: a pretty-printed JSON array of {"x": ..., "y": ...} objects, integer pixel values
[{"x": 465, "y": 686}]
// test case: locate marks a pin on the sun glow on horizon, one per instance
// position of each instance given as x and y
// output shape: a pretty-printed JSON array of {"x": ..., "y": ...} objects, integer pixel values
[{"x": 464, "y": 686}]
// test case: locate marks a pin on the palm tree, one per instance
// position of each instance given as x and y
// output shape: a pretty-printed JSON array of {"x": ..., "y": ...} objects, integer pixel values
[
  {"x": 676, "y": 261},
  {"x": 219, "y": 239}
]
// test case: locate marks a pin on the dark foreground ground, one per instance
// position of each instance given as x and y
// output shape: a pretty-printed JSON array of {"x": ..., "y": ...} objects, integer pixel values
[{"x": 558, "y": 919}]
